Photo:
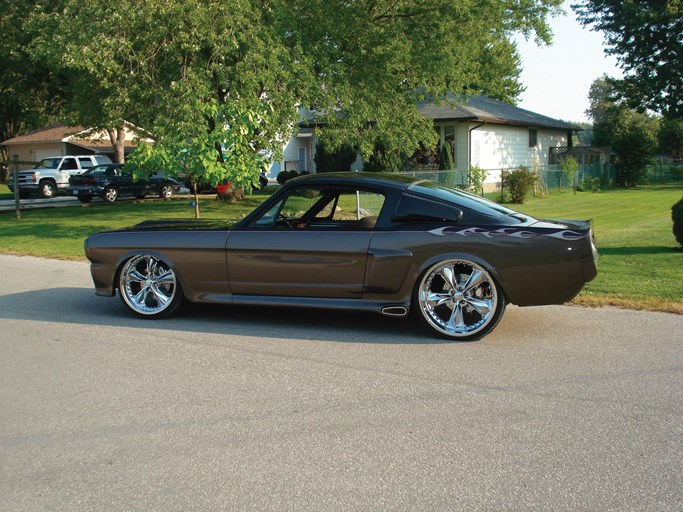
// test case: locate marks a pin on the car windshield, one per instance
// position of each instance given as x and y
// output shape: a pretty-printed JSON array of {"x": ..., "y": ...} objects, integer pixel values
[
  {"x": 461, "y": 198},
  {"x": 98, "y": 170},
  {"x": 48, "y": 163}
]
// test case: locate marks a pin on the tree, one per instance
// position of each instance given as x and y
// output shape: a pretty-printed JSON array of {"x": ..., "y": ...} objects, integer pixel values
[
  {"x": 384, "y": 159},
  {"x": 633, "y": 138},
  {"x": 31, "y": 94},
  {"x": 363, "y": 65},
  {"x": 671, "y": 138},
  {"x": 631, "y": 135},
  {"x": 331, "y": 158},
  {"x": 646, "y": 39},
  {"x": 601, "y": 97}
]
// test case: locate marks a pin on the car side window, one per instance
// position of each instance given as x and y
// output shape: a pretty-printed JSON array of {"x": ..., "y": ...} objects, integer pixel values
[
  {"x": 324, "y": 208},
  {"x": 85, "y": 162},
  {"x": 69, "y": 164}
]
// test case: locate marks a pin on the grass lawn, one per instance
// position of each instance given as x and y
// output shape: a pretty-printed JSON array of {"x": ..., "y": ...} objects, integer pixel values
[
  {"x": 5, "y": 192},
  {"x": 640, "y": 264}
]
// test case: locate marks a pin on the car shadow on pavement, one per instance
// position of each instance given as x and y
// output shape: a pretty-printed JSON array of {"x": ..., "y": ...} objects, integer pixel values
[{"x": 81, "y": 306}]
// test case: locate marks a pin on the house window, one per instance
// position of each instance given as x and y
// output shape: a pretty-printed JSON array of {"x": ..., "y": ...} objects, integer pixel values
[
  {"x": 533, "y": 137},
  {"x": 449, "y": 138}
]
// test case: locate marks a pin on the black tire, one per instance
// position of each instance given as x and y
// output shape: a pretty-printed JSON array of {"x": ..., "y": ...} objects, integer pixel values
[
  {"x": 110, "y": 194},
  {"x": 84, "y": 198},
  {"x": 149, "y": 287},
  {"x": 459, "y": 299},
  {"x": 166, "y": 191},
  {"x": 48, "y": 189}
]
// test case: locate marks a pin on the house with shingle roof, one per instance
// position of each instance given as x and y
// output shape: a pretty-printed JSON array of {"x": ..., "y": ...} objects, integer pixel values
[
  {"x": 59, "y": 140},
  {"x": 493, "y": 135},
  {"x": 481, "y": 132}
]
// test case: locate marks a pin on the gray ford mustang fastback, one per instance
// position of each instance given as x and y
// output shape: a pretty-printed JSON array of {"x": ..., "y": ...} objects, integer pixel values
[{"x": 354, "y": 241}]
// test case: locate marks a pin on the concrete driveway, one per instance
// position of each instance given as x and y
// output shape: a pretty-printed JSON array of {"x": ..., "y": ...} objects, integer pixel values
[{"x": 223, "y": 408}]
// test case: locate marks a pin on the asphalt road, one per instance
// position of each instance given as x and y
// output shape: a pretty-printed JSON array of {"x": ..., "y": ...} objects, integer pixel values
[{"x": 224, "y": 408}]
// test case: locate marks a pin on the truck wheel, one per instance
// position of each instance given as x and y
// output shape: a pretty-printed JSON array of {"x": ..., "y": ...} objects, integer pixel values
[{"x": 48, "y": 189}]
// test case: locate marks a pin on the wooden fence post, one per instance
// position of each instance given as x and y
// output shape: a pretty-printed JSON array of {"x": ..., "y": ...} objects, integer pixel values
[{"x": 15, "y": 177}]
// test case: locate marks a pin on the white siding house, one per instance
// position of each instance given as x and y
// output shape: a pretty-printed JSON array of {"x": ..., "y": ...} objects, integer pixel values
[
  {"x": 495, "y": 136},
  {"x": 481, "y": 131}
]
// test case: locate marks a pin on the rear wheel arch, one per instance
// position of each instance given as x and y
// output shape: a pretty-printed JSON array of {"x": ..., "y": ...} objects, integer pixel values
[{"x": 458, "y": 296}]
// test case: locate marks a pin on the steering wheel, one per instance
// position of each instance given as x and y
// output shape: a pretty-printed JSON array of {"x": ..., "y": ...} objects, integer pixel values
[{"x": 282, "y": 220}]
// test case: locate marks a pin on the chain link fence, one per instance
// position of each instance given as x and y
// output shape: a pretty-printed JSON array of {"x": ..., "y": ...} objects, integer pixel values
[{"x": 552, "y": 178}]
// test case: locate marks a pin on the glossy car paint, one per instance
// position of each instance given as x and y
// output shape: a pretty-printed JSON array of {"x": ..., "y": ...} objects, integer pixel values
[{"x": 351, "y": 266}]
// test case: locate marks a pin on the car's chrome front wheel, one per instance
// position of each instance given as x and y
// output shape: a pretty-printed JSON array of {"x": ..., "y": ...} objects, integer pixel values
[
  {"x": 459, "y": 299},
  {"x": 149, "y": 287}
]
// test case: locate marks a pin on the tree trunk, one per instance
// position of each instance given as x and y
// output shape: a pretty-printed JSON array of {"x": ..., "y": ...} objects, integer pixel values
[
  {"x": 196, "y": 199},
  {"x": 117, "y": 138}
]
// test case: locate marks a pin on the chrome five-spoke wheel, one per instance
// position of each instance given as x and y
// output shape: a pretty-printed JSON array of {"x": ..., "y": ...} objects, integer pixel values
[
  {"x": 149, "y": 287},
  {"x": 459, "y": 299}
]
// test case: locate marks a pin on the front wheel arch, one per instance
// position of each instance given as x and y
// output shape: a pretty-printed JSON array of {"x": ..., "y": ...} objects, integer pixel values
[
  {"x": 48, "y": 188},
  {"x": 149, "y": 286}
]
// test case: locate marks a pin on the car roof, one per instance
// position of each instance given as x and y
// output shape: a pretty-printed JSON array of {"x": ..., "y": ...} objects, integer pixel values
[{"x": 398, "y": 181}]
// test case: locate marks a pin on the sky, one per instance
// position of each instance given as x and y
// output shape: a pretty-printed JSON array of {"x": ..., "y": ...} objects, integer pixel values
[{"x": 558, "y": 77}]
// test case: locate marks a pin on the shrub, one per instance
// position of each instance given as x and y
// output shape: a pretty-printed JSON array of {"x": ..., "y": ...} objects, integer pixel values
[
  {"x": 328, "y": 159},
  {"x": 383, "y": 159},
  {"x": 284, "y": 176},
  {"x": 590, "y": 184},
  {"x": 477, "y": 177},
  {"x": 677, "y": 217},
  {"x": 677, "y": 173},
  {"x": 519, "y": 182},
  {"x": 570, "y": 167}
]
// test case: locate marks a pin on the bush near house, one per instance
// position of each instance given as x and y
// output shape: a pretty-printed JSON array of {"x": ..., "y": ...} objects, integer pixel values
[
  {"x": 519, "y": 183},
  {"x": 329, "y": 159}
]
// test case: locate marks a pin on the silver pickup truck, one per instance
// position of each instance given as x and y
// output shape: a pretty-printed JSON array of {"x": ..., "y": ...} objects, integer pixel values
[{"x": 52, "y": 174}]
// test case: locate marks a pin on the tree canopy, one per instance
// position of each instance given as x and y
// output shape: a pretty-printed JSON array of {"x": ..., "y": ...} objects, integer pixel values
[
  {"x": 191, "y": 73},
  {"x": 31, "y": 93},
  {"x": 647, "y": 40},
  {"x": 631, "y": 135}
]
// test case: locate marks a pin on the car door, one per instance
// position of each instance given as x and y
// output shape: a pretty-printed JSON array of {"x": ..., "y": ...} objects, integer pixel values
[
  {"x": 67, "y": 168},
  {"x": 124, "y": 181},
  {"x": 313, "y": 243}
]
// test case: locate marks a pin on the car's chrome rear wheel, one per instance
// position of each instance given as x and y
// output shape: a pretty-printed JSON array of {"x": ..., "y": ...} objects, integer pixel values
[
  {"x": 459, "y": 299},
  {"x": 149, "y": 287}
]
